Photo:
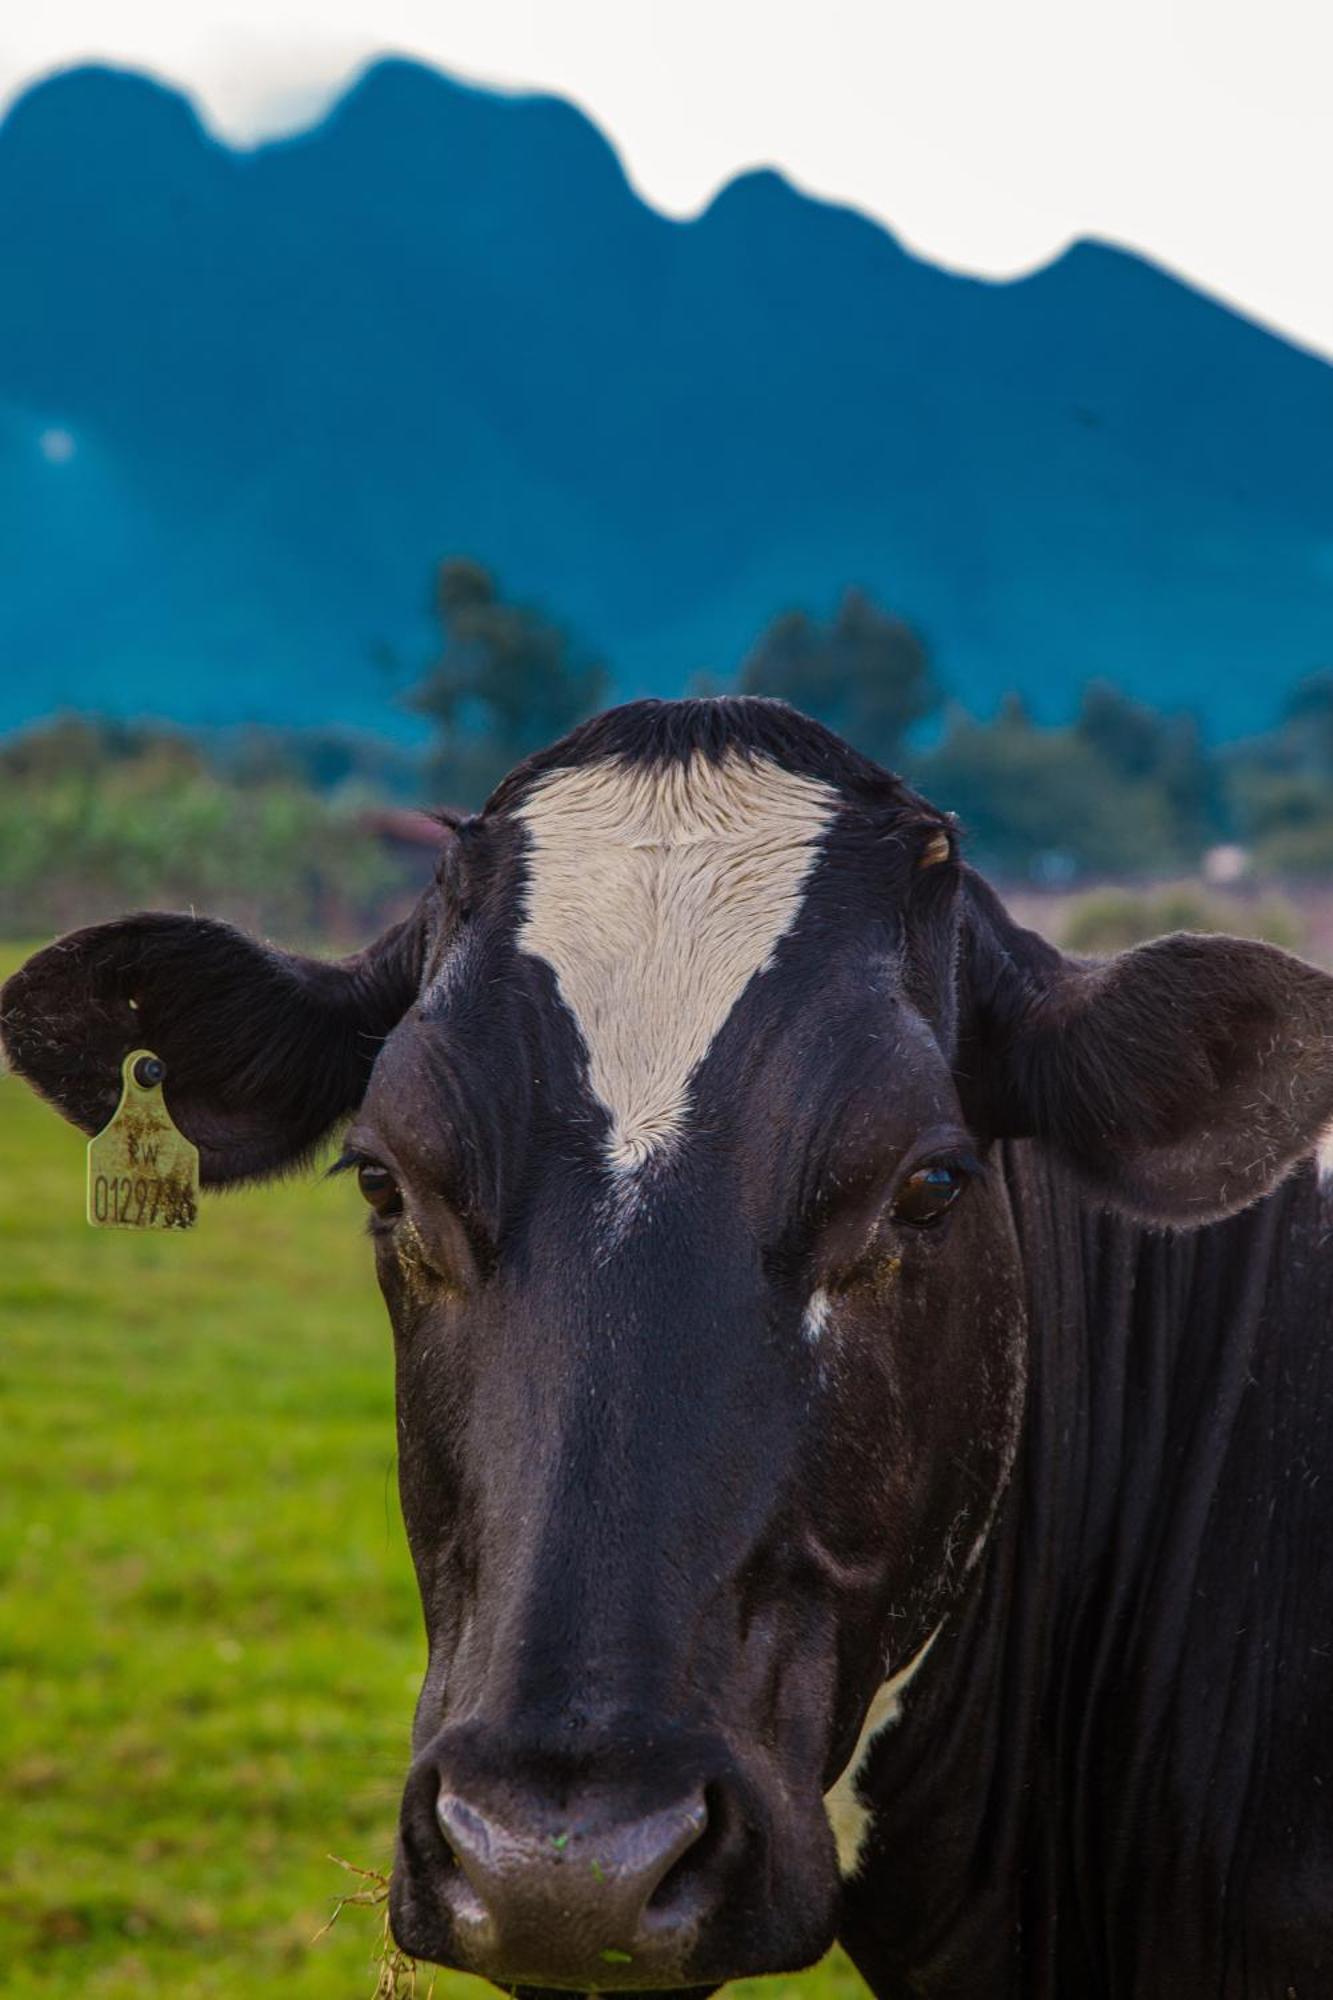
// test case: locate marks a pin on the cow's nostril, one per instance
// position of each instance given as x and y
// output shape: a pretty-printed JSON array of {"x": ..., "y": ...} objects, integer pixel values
[
  {"x": 684, "y": 1876},
  {"x": 462, "y": 1826},
  {"x": 676, "y": 1865},
  {"x": 457, "y": 1822}
]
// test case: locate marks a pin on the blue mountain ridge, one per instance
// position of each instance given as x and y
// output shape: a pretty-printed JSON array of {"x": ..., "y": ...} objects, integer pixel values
[{"x": 441, "y": 322}]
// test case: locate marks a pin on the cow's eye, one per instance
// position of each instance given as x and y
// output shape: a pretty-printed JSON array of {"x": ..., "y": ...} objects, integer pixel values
[
  {"x": 380, "y": 1188},
  {"x": 926, "y": 1196}
]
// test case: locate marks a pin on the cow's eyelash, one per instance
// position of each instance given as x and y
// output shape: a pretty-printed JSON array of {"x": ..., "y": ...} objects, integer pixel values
[{"x": 348, "y": 1161}]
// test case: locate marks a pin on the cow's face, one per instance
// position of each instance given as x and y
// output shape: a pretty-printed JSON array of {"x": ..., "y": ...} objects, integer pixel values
[
  {"x": 674, "y": 1107},
  {"x": 709, "y": 1351}
]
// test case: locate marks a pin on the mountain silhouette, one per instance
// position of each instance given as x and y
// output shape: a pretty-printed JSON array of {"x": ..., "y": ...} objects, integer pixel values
[{"x": 248, "y": 399}]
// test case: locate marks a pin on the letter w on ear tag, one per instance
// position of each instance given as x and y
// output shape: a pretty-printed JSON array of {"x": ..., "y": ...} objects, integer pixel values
[{"x": 142, "y": 1172}]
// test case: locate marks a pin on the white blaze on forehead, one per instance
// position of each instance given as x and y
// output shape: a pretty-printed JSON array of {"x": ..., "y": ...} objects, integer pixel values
[{"x": 656, "y": 893}]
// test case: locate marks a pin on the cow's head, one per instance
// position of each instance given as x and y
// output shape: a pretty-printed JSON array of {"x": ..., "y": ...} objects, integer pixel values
[{"x": 674, "y": 1105}]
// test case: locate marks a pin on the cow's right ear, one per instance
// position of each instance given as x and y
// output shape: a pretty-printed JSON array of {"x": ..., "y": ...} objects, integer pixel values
[
  {"x": 264, "y": 1050},
  {"x": 1180, "y": 1080}
]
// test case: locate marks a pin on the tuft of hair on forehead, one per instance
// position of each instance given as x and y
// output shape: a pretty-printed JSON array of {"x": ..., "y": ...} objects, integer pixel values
[
  {"x": 656, "y": 891},
  {"x": 716, "y": 729}
]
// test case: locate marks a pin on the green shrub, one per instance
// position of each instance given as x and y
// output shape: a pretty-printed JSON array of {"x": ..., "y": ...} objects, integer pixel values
[
  {"x": 77, "y": 846},
  {"x": 1046, "y": 802},
  {"x": 1107, "y": 920}
]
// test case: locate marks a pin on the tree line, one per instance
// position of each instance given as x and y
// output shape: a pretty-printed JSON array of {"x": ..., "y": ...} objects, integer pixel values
[
  {"x": 269, "y": 825},
  {"x": 1122, "y": 789}
]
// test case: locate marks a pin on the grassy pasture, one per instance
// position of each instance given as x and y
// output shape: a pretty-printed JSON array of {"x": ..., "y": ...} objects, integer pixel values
[{"x": 209, "y": 1634}]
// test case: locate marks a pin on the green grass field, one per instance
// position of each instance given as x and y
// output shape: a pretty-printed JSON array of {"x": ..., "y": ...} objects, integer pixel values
[{"x": 209, "y": 1634}]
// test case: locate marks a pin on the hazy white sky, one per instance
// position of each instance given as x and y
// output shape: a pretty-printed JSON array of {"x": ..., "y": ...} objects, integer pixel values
[{"x": 985, "y": 132}]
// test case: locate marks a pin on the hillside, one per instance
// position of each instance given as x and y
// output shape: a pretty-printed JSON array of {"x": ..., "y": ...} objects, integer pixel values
[{"x": 247, "y": 399}]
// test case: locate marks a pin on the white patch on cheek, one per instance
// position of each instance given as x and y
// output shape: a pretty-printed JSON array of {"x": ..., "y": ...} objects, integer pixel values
[
  {"x": 656, "y": 894},
  {"x": 815, "y": 1318},
  {"x": 848, "y": 1816}
]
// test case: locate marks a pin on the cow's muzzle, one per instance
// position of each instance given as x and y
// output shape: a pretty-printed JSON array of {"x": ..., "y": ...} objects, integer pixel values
[{"x": 606, "y": 1879}]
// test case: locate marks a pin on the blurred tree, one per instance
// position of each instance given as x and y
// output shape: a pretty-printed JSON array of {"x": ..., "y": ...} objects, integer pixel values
[
  {"x": 1045, "y": 802},
  {"x": 866, "y": 673},
  {"x": 1309, "y": 716},
  {"x": 328, "y": 759},
  {"x": 506, "y": 682},
  {"x": 73, "y": 745},
  {"x": 1166, "y": 752},
  {"x": 1280, "y": 785}
]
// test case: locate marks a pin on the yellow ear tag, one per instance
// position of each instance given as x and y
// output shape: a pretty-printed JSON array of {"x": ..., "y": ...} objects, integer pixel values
[{"x": 142, "y": 1172}]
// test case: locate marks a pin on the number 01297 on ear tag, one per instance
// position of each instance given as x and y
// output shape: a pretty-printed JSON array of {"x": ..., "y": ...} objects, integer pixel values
[{"x": 142, "y": 1172}]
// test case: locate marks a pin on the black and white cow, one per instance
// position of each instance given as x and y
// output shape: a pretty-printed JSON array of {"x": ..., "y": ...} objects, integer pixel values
[{"x": 820, "y": 1306}]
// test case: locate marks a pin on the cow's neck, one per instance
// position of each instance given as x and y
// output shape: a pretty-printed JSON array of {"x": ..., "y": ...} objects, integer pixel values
[{"x": 1078, "y": 1754}]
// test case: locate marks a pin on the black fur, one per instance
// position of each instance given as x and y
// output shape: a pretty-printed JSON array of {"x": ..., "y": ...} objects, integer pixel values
[{"x": 1113, "y": 1779}]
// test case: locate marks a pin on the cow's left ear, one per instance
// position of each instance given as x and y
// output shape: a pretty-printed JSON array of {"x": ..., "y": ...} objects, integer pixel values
[
  {"x": 1182, "y": 1079},
  {"x": 264, "y": 1050}
]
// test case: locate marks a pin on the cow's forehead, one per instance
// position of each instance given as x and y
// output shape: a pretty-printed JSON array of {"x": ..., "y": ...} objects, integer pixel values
[{"x": 656, "y": 893}]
